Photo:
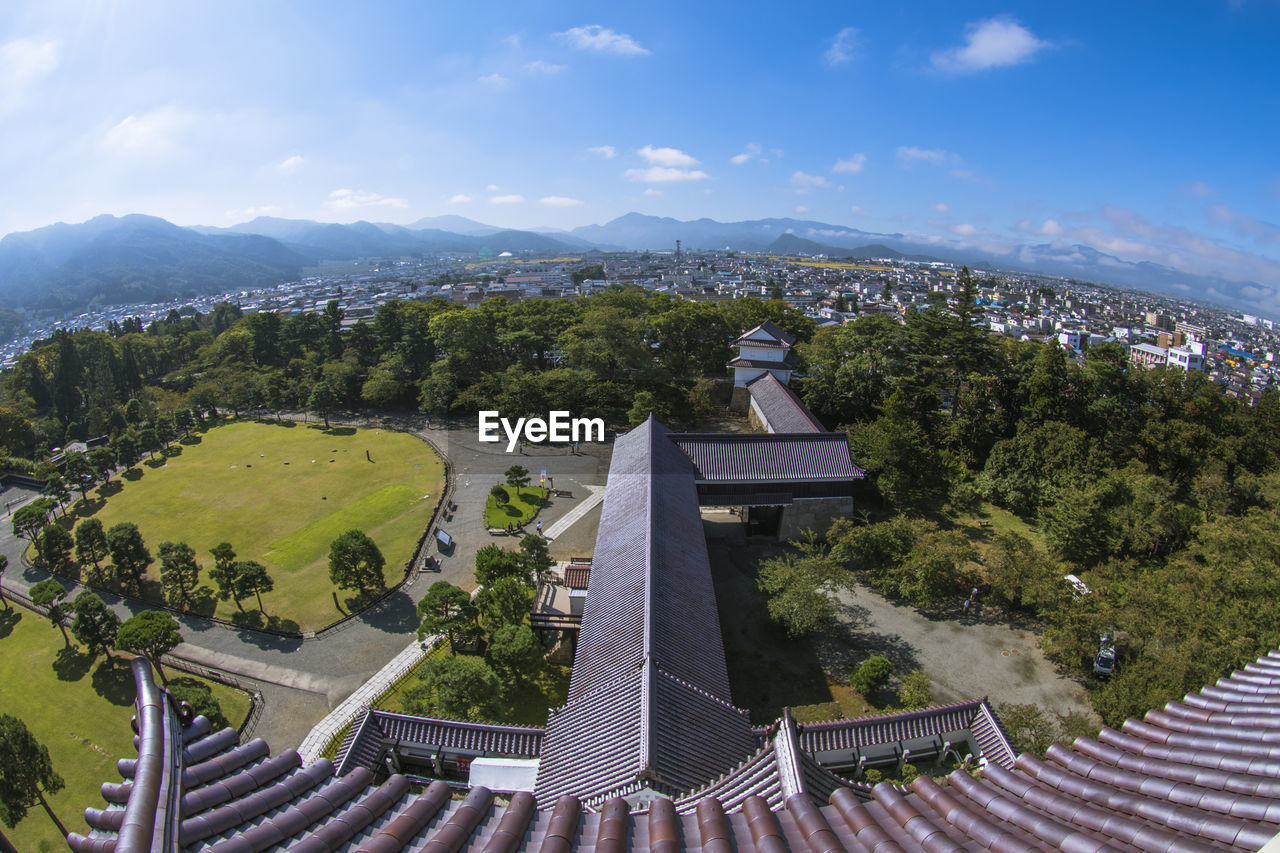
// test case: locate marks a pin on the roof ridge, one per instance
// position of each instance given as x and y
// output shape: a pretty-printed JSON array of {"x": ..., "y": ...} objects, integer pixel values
[
  {"x": 468, "y": 724},
  {"x": 913, "y": 714},
  {"x": 696, "y": 689}
]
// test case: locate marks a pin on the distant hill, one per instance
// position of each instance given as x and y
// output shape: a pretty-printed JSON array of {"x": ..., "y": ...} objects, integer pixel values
[
  {"x": 790, "y": 244},
  {"x": 112, "y": 260}
]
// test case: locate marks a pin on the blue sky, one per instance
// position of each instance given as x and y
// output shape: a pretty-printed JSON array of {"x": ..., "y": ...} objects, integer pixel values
[{"x": 1146, "y": 130}]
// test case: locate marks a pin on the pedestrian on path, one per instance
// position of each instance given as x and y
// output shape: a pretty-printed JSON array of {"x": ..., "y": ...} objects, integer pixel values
[{"x": 539, "y": 528}]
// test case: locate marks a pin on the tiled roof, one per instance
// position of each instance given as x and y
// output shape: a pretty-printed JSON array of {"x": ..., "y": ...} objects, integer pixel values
[
  {"x": 374, "y": 729},
  {"x": 1201, "y": 774},
  {"x": 577, "y": 577},
  {"x": 909, "y": 725},
  {"x": 782, "y": 409},
  {"x": 649, "y": 673},
  {"x": 769, "y": 457},
  {"x": 770, "y": 329}
]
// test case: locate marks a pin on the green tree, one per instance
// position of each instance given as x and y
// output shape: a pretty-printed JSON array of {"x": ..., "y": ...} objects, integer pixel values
[
  {"x": 355, "y": 562},
  {"x": 517, "y": 477},
  {"x": 802, "y": 591},
  {"x": 179, "y": 572},
  {"x": 91, "y": 543},
  {"x": 53, "y": 545},
  {"x": 871, "y": 675},
  {"x": 223, "y": 574},
  {"x": 29, "y": 520},
  {"x": 149, "y": 440},
  {"x": 94, "y": 625},
  {"x": 200, "y": 697},
  {"x": 514, "y": 652},
  {"x": 103, "y": 460},
  {"x": 56, "y": 488},
  {"x": 1022, "y": 575},
  {"x": 152, "y": 634},
  {"x": 129, "y": 554},
  {"x": 494, "y": 562},
  {"x": 915, "y": 691},
  {"x": 445, "y": 609},
  {"x": 26, "y": 774},
  {"x": 535, "y": 558},
  {"x": 79, "y": 472},
  {"x": 126, "y": 450},
  {"x": 460, "y": 688},
  {"x": 323, "y": 401},
  {"x": 252, "y": 579},
  {"x": 506, "y": 601},
  {"x": 50, "y": 594}
]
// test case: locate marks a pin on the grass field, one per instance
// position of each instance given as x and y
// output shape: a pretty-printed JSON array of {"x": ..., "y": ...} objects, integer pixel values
[
  {"x": 280, "y": 494},
  {"x": 519, "y": 508},
  {"x": 78, "y": 707}
]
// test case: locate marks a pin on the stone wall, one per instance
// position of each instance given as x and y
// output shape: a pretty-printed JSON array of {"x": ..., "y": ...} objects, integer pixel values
[{"x": 814, "y": 514}]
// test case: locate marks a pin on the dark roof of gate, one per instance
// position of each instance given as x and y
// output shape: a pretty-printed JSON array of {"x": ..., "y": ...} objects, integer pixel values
[
  {"x": 769, "y": 457},
  {"x": 780, "y": 406}
]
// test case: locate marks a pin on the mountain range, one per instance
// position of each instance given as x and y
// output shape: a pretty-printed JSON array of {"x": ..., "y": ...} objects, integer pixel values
[{"x": 135, "y": 258}]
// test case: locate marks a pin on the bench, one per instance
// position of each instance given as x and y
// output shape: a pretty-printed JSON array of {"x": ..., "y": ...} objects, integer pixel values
[
  {"x": 498, "y": 531},
  {"x": 562, "y": 493}
]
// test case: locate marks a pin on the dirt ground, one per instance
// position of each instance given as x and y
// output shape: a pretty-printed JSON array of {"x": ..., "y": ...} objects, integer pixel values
[{"x": 966, "y": 659}]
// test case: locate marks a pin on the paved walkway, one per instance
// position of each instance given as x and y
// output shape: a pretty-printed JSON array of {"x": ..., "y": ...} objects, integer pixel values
[
  {"x": 338, "y": 663},
  {"x": 572, "y": 517}
]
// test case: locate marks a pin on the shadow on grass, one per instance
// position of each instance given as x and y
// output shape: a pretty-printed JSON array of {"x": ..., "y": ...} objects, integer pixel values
[
  {"x": 172, "y": 451},
  {"x": 109, "y": 488},
  {"x": 9, "y": 618},
  {"x": 190, "y": 439},
  {"x": 155, "y": 463},
  {"x": 87, "y": 506},
  {"x": 202, "y": 602},
  {"x": 340, "y": 430},
  {"x": 72, "y": 664},
  {"x": 113, "y": 681},
  {"x": 259, "y": 621},
  {"x": 133, "y": 475}
]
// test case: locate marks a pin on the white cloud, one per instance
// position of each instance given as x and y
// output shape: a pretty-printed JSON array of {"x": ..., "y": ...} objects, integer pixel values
[
  {"x": 940, "y": 207},
  {"x": 493, "y": 188},
  {"x": 651, "y": 192},
  {"x": 559, "y": 201},
  {"x": 538, "y": 66},
  {"x": 800, "y": 208},
  {"x": 991, "y": 43},
  {"x": 843, "y": 48},
  {"x": 152, "y": 134},
  {"x": 495, "y": 80},
  {"x": 673, "y": 157},
  {"x": 907, "y": 155},
  {"x": 290, "y": 164},
  {"x": 857, "y": 211},
  {"x": 807, "y": 183},
  {"x": 752, "y": 151},
  {"x": 1243, "y": 223},
  {"x": 345, "y": 199},
  {"x": 964, "y": 229},
  {"x": 608, "y": 152},
  {"x": 507, "y": 199},
  {"x": 247, "y": 213},
  {"x": 851, "y": 166},
  {"x": 1200, "y": 189},
  {"x": 665, "y": 174},
  {"x": 1050, "y": 228},
  {"x": 460, "y": 198},
  {"x": 599, "y": 39}
]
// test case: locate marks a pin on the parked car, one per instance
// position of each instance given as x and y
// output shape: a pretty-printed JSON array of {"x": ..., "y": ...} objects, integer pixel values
[{"x": 1105, "y": 662}]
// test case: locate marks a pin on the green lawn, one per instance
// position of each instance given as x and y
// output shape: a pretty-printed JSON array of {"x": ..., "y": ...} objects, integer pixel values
[
  {"x": 79, "y": 708},
  {"x": 280, "y": 494},
  {"x": 520, "y": 508}
]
